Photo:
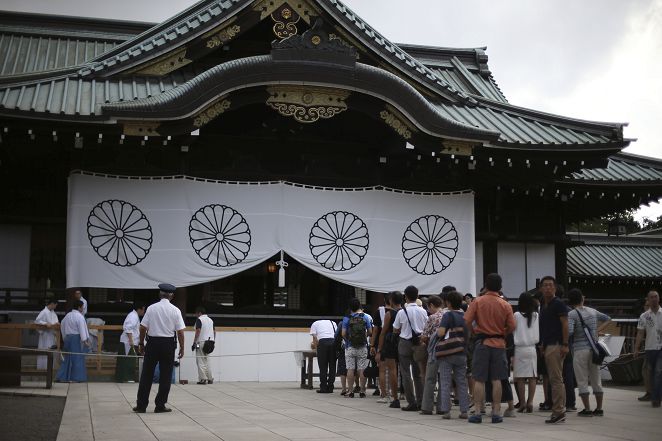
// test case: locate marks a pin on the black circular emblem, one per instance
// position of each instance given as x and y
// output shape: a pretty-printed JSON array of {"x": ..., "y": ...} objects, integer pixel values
[
  {"x": 429, "y": 244},
  {"x": 220, "y": 235},
  {"x": 339, "y": 240},
  {"x": 119, "y": 232}
]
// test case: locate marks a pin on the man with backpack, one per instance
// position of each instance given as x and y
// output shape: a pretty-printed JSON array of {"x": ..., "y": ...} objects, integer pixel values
[
  {"x": 323, "y": 333},
  {"x": 355, "y": 330}
]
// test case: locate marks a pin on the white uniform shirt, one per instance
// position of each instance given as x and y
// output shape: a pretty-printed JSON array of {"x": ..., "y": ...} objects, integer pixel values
[
  {"x": 525, "y": 335},
  {"x": 206, "y": 328},
  {"x": 163, "y": 319},
  {"x": 131, "y": 326},
  {"x": 651, "y": 322},
  {"x": 418, "y": 317},
  {"x": 74, "y": 323},
  {"x": 323, "y": 329}
]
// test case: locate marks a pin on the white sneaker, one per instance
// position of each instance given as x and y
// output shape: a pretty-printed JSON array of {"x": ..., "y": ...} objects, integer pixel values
[{"x": 384, "y": 400}]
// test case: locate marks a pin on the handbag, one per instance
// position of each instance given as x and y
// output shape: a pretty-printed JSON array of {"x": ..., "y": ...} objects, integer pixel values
[
  {"x": 598, "y": 350},
  {"x": 208, "y": 347},
  {"x": 338, "y": 342},
  {"x": 415, "y": 336},
  {"x": 453, "y": 342}
]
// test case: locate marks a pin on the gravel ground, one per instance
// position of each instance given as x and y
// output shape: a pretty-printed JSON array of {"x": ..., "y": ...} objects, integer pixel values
[{"x": 30, "y": 418}]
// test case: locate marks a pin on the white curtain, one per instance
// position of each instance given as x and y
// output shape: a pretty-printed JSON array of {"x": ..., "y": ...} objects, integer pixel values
[{"x": 136, "y": 232}]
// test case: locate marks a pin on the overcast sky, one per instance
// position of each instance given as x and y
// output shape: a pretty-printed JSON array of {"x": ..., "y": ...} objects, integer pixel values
[{"x": 592, "y": 59}]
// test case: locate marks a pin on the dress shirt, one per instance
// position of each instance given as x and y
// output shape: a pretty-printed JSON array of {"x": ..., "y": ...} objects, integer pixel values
[
  {"x": 163, "y": 319},
  {"x": 323, "y": 329},
  {"x": 74, "y": 323},
  {"x": 418, "y": 317}
]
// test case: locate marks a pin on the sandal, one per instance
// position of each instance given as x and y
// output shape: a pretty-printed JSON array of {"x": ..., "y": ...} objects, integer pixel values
[{"x": 343, "y": 392}]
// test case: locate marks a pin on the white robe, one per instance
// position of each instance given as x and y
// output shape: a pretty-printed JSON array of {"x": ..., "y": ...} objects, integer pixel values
[
  {"x": 131, "y": 326},
  {"x": 46, "y": 336}
]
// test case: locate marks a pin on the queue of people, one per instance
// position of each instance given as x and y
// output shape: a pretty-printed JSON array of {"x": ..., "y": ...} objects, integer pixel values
[{"x": 461, "y": 348}]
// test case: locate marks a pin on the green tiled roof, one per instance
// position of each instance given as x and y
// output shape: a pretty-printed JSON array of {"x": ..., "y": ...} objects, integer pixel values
[
  {"x": 623, "y": 167},
  {"x": 615, "y": 262}
]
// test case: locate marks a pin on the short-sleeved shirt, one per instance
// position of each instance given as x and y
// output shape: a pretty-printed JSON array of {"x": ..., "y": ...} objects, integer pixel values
[
  {"x": 345, "y": 325},
  {"x": 414, "y": 314},
  {"x": 651, "y": 322},
  {"x": 493, "y": 316},
  {"x": 550, "y": 322},
  {"x": 433, "y": 323},
  {"x": 323, "y": 329},
  {"x": 163, "y": 319},
  {"x": 591, "y": 318}
]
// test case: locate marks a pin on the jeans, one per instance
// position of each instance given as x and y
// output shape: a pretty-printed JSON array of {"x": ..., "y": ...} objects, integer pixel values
[
  {"x": 655, "y": 366},
  {"x": 431, "y": 379},
  {"x": 453, "y": 367}
]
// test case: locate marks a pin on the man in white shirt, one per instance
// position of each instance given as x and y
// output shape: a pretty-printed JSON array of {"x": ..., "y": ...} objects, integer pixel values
[
  {"x": 650, "y": 326},
  {"x": 162, "y": 321},
  {"x": 78, "y": 295},
  {"x": 47, "y": 323},
  {"x": 323, "y": 333},
  {"x": 204, "y": 332},
  {"x": 411, "y": 347},
  {"x": 125, "y": 369},
  {"x": 75, "y": 334}
]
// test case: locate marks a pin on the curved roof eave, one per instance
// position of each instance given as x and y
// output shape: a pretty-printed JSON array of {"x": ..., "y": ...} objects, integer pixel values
[{"x": 190, "y": 97}]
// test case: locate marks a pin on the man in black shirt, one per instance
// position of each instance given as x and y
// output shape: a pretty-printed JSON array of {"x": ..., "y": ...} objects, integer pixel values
[{"x": 554, "y": 342}]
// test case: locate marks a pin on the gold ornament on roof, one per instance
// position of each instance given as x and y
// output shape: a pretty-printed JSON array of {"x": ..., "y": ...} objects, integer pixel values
[
  {"x": 307, "y": 104},
  {"x": 396, "y": 124},
  {"x": 286, "y": 14},
  {"x": 211, "y": 112},
  {"x": 223, "y": 36}
]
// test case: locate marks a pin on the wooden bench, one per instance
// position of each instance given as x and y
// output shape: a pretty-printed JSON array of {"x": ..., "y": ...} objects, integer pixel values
[{"x": 14, "y": 370}]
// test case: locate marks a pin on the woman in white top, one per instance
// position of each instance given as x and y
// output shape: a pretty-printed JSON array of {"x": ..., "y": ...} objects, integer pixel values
[{"x": 526, "y": 336}]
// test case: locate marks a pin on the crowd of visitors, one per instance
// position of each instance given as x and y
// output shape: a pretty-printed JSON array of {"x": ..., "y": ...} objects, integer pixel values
[{"x": 464, "y": 349}]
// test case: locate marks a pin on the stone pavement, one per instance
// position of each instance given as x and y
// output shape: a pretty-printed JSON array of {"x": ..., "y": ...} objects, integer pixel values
[{"x": 282, "y": 411}]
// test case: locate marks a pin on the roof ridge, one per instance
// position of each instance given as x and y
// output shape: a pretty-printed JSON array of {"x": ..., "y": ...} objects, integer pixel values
[{"x": 431, "y": 79}]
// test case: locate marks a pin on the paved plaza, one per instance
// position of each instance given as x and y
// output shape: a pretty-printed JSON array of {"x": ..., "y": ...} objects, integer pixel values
[{"x": 282, "y": 411}]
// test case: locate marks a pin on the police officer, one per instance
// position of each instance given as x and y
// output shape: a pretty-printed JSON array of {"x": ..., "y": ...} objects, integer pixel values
[{"x": 161, "y": 322}]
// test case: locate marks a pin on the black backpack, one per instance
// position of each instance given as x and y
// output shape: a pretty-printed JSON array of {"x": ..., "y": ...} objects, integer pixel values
[{"x": 356, "y": 331}]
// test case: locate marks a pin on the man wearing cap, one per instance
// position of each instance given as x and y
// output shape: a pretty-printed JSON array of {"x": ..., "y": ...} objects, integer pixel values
[{"x": 162, "y": 321}]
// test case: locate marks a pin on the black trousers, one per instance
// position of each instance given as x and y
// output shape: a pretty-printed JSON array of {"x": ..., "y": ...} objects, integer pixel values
[
  {"x": 326, "y": 360},
  {"x": 159, "y": 350}
]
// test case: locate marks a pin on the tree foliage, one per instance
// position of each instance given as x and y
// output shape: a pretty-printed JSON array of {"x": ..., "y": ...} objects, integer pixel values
[{"x": 600, "y": 225}]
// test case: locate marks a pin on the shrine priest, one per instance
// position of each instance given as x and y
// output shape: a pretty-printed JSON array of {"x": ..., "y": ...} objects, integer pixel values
[
  {"x": 47, "y": 323},
  {"x": 126, "y": 366},
  {"x": 76, "y": 341}
]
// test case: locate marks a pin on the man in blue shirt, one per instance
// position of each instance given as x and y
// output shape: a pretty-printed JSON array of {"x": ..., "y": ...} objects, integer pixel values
[{"x": 356, "y": 329}]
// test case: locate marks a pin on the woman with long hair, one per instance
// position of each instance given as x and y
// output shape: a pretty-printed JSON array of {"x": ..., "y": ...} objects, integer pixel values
[{"x": 526, "y": 335}]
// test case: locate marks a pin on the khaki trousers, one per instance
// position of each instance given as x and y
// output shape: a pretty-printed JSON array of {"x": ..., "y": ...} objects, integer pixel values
[
  {"x": 554, "y": 363},
  {"x": 203, "y": 365}
]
